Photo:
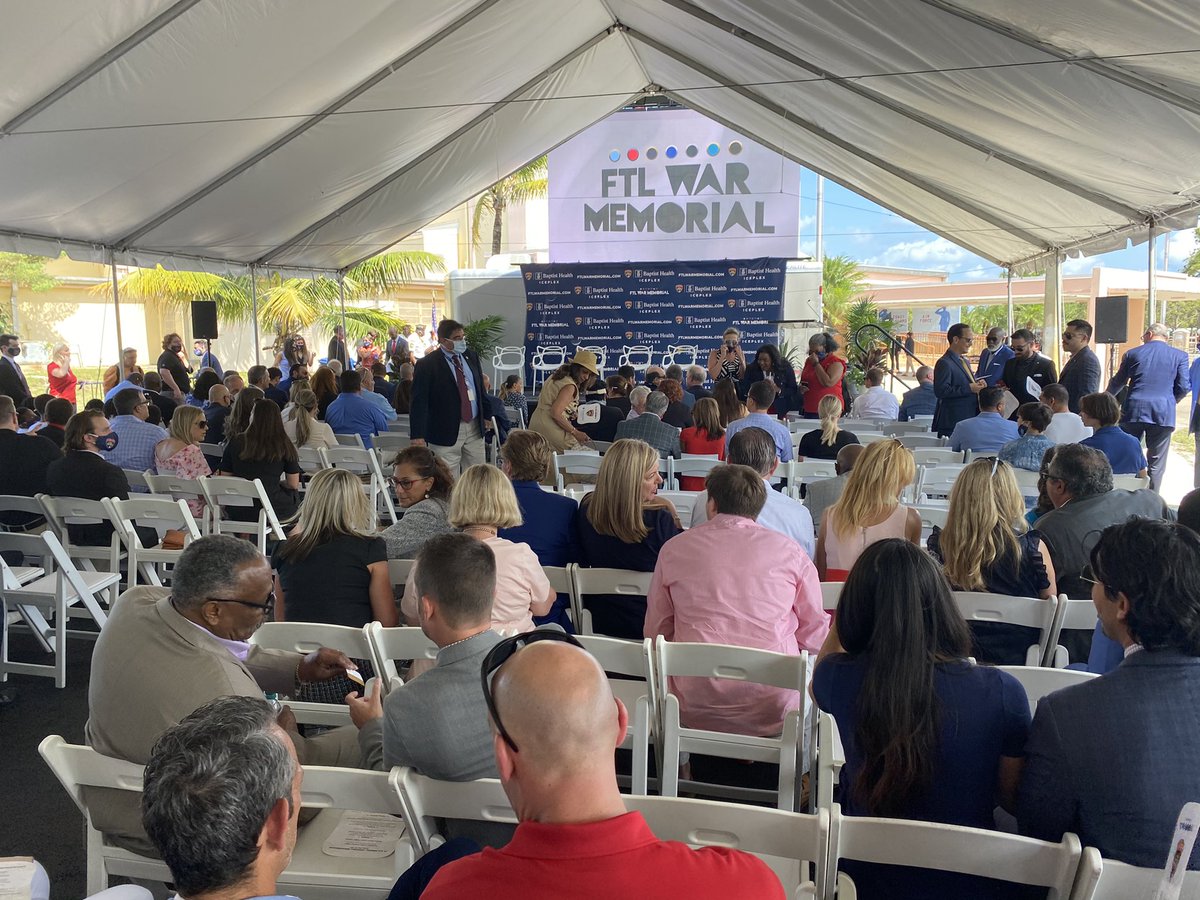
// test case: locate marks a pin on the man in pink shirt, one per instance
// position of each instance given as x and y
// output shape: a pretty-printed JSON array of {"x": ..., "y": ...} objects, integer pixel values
[{"x": 732, "y": 581}]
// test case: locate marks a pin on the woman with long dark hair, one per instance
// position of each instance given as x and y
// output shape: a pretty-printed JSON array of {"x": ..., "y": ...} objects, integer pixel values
[
  {"x": 558, "y": 402},
  {"x": 325, "y": 386},
  {"x": 928, "y": 734},
  {"x": 732, "y": 408},
  {"x": 264, "y": 452},
  {"x": 770, "y": 366}
]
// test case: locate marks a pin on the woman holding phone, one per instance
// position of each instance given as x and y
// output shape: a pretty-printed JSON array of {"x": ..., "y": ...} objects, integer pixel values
[{"x": 728, "y": 360}]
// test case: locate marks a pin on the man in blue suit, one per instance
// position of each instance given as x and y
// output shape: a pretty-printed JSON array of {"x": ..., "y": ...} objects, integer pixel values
[
  {"x": 988, "y": 431},
  {"x": 1158, "y": 378},
  {"x": 953, "y": 383},
  {"x": 1114, "y": 759},
  {"x": 992, "y": 360},
  {"x": 1194, "y": 417}
]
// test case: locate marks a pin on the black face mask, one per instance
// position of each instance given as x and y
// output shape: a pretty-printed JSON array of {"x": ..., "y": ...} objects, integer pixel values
[
  {"x": 13, "y": 351},
  {"x": 175, "y": 348}
]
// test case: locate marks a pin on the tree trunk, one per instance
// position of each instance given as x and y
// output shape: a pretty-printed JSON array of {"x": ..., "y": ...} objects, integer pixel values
[{"x": 498, "y": 206}]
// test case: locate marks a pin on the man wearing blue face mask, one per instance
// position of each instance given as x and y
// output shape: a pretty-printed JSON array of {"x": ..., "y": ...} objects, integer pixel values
[
  {"x": 446, "y": 413},
  {"x": 205, "y": 357},
  {"x": 84, "y": 472}
]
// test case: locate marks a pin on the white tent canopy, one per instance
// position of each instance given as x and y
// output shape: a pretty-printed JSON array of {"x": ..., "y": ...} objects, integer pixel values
[{"x": 308, "y": 135}]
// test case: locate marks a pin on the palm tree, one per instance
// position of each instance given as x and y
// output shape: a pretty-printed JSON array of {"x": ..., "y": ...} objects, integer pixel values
[
  {"x": 527, "y": 183},
  {"x": 841, "y": 281},
  {"x": 286, "y": 305}
]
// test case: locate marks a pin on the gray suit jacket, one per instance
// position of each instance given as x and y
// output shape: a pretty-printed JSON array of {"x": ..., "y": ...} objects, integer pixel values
[
  {"x": 150, "y": 668},
  {"x": 1113, "y": 760},
  {"x": 820, "y": 495},
  {"x": 650, "y": 428}
]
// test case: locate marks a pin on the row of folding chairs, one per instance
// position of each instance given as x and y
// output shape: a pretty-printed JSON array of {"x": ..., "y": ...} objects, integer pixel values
[
  {"x": 803, "y": 849},
  {"x": 935, "y": 481}
]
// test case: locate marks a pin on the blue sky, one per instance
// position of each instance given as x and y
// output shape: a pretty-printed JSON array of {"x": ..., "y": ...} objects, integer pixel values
[{"x": 872, "y": 235}]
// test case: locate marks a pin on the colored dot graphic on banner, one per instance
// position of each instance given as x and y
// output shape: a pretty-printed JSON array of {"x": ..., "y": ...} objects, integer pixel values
[{"x": 671, "y": 151}]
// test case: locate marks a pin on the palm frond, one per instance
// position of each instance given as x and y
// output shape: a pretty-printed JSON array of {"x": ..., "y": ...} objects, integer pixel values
[
  {"x": 388, "y": 270},
  {"x": 177, "y": 289},
  {"x": 485, "y": 208},
  {"x": 289, "y": 304},
  {"x": 527, "y": 183},
  {"x": 359, "y": 320}
]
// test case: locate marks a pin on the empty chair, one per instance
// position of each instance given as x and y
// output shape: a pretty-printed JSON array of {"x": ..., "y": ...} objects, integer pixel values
[
  {"x": 545, "y": 361},
  {"x": 310, "y": 460},
  {"x": 639, "y": 356},
  {"x": 936, "y": 456},
  {"x": 58, "y": 593},
  {"x": 635, "y": 663},
  {"x": 186, "y": 489},
  {"x": 576, "y": 462},
  {"x": 742, "y": 664},
  {"x": 170, "y": 520},
  {"x": 507, "y": 360},
  {"x": 227, "y": 491},
  {"x": 1107, "y": 879},
  {"x": 936, "y": 482},
  {"x": 365, "y": 464},
  {"x": 921, "y": 441},
  {"x": 72, "y": 518},
  {"x": 590, "y": 582}
]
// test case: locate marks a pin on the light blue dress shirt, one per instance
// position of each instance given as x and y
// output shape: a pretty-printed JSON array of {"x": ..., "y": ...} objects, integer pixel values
[
  {"x": 769, "y": 424},
  {"x": 381, "y": 401},
  {"x": 780, "y": 513},
  {"x": 984, "y": 433}
]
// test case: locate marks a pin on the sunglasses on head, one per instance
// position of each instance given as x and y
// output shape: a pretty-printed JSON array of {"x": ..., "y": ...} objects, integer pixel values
[{"x": 502, "y": 653}]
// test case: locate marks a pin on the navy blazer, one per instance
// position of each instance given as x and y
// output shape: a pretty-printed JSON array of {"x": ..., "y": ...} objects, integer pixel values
[
  {"x": 1080, "y": 376},
  {"x": 1114, "y": 759},
  {"x": 952, "y": 387},
  {"x": 1157, "y": 375},
  {"x": 991, "y": 364},
  {"x": 433, "y": 413},
  {"x": 788, "y": 398}
]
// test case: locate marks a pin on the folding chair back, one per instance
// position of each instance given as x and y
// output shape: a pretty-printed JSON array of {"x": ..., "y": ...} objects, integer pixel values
[
  {"x": 180, "y": 489},
  {"x": 363, "y": 463},
  {"x": 723, "y": 661},
  {"x": 902, "y": 428},
  {"x": 63, "y": 511},
  {"x": 310, "y": 460},
  {"x": 34, "y": 512},
  {"x": 921, "y": 441},
  {"x": 1107, "y": 879},
  {"x": 1130, "y": 482},
  {"x": 398, "y": 570},
  {"x": 831, "y": 593},
  {"x": 426, "y": 800},
  {"x": 574, "y": 463},
  {"x": 938, "y": 481},
  {"x": 606, "y": 581},
  {"x": 635, "y": 661},
  {"x": 1031, "y": 612},
  {"x": 137, "y": 479},
  {"x": 689, "y": 465},
  {"x": 226, "y": 490},
  {"x": 1027, "y": 481},
  {"x": 1039, "y": 681},
  {"x": 954, "y": 848},
  {"x": 354, "y": 441},
  {"x": 562, "y": 582},
  {"x": 1072, "y": 615},
  {"x": 390, "y": 644},
  {"x": 936, "y": 456},
  {"x": 161, "y": 514}
]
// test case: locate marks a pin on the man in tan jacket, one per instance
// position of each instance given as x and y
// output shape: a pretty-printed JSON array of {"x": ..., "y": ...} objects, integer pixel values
[{"x": 165, "y": 652}]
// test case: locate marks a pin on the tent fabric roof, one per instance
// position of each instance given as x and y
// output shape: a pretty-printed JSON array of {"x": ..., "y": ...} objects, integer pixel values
[{"x": 303, "y": 135}]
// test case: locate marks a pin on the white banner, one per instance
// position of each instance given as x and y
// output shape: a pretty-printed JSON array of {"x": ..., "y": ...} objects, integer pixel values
[{"x": 670, "y": 185}]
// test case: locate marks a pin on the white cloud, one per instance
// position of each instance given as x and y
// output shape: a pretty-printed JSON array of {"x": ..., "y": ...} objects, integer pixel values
[
  {"x": 934, "y": 253},
  {"x": 1082, "y": 265},
  {"x": 1182, "y": 244},
  {"x": 805, "y": 221}
]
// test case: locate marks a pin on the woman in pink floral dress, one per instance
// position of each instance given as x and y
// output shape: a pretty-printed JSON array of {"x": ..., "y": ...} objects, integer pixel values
[{"x": 179, "y": 453}]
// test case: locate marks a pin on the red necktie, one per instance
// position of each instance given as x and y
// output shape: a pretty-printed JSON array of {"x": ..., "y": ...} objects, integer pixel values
[{"x": 464, "y": 401}]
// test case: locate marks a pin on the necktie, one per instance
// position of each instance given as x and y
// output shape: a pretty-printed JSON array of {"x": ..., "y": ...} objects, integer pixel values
[
  {"x": 967, "y": 368},
  {"x": 464, "y": 401}
]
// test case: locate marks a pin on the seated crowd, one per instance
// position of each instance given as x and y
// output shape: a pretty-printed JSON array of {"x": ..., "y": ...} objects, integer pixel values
[{"x": 932, "y": 730}]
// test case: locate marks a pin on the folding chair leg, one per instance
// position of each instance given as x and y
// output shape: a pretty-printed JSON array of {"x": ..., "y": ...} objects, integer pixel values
[
  {"x": 641, "y": 741},
  {"x": 668, "y": 772},
  {"x": 787, "y": 764}
]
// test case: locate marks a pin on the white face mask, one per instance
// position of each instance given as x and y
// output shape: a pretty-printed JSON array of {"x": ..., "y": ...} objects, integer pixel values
[{"x": 460, "y": 346}]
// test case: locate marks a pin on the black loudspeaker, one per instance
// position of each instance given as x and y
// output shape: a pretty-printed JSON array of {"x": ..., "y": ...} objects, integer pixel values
[
  {"x": 204, "y": 319},
  {"x": 1112, "y": 320}
]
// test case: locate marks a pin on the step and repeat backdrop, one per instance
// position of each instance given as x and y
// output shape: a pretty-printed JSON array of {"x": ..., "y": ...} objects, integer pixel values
[{"x": 652, "y": 304}]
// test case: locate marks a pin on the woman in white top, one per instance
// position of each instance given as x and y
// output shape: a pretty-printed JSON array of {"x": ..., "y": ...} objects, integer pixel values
[
  {"x": 483, "y": 502},
  {"x": 302, "y": 426},
  {"x": 869, "y": 509}
]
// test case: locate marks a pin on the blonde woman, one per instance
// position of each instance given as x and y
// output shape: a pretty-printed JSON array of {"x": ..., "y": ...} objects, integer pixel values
[
  {"x": 825, "y": 442},
  {"x": 302, "y": 426},
  {"x": 62, "y": 379},
  {"x": 727, "y": 362},
  {"x": 869, "y": 509},
  {"x": 179, "y": 452},
  {"x": 333, "y": 567},
  {"x": 481, "y": 504},
  {"x": 623, "y": 524},
  {"x": 987, "y": 546}
]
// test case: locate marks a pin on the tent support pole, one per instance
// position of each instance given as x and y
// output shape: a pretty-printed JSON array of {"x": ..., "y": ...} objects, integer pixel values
[
  {"x": 342, "y": 298},
  {"x": 1151, "y": 287},
  {"x": 254, "y": 310},
  {"x": 112, "y": 262},
  {"x": 1052, "y": 310},
  {"x": 1010, "y": 302}
]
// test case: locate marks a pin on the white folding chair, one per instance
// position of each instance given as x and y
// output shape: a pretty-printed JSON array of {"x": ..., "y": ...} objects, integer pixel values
[
  {"x": 78, "y": 767},
  {"x": 161, "y": 514},
  {"x": 954, "y": 848},
  {"x": 137, "y": 480},
  {"x": 871, "y": 437},
  {"x": 1107, "y": 879},
  {"x": 831, "y": 593},
  {"x": 828, "y": 759},
  {"x": 390, "y": 644},
  {"x": 305, "y": 637},
  {"x": 32, "y": 513},
  {"x": 562, "y": 582},
  {"x": 601, "y": 447},
  {"x": 217, "y": 450},
  {"x": 311, "y": 461},
  {"x": 388, "y": 445},
  {"x": 936, "y": 482},
  {"x": 639, "y": 356},
  {"x": 743, "y": 664},
  {"x": 226, "y": 490},
  {"x": 1031, "y": 612},
  {"x": 1072, "y": 615},
  {"x": 683, "y": 355},
  {"x": 1130, "y": 482},
  {"x": 506, "y": 360},
  {"x": 182, "y": 489},
  {"x": 1039, "y": 681},
  {"x": 363, "y": 463},
  {"x": 921, "y": 441},
  {"x": 932, "y": 517},
  {"x": 62, "y": 591},
  {"x": 400, "y": 426},
  {"x": 62, "y": 512},
  {"x": 628, "y": 658},
  {"x": 426, "y": 800},
  {"x": 573, "y": 462},
  {"x": 897, "y": 429},
  {"x": 605, "y": 581},
  {"x": 806, "y": 472},
  {"x": 1027, "y": 481},
  {"x": 546, "y": 359},
  {"x": 683, "y": 501},
  {"x": 689, "y": 465},
  {"x": 937, "y": 456},
  {"x": 354, "y": 441}
]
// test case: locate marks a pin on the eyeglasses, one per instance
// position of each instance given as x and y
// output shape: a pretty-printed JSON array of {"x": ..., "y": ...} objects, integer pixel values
[
  {"x": 1089, "y": 575},
  {"x": 502, "y": 653},
  {"x": 406, "y": 483},
  {"x": 203, "y": 425},
  {"x": 261, "y": 607},
  {"x": 1070, "y": 334}
]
